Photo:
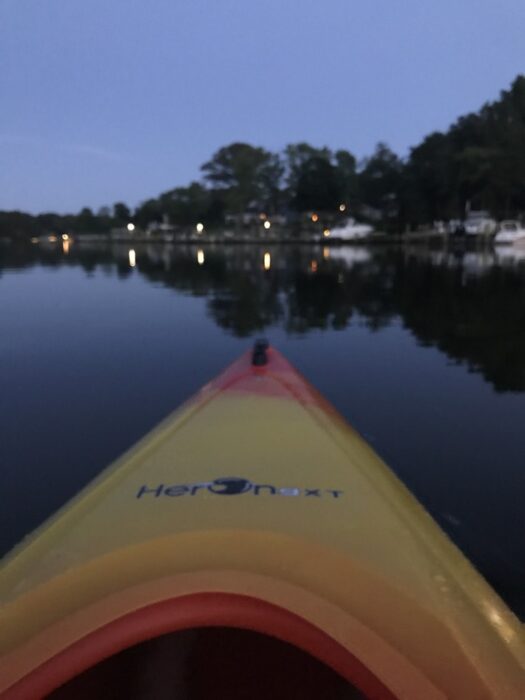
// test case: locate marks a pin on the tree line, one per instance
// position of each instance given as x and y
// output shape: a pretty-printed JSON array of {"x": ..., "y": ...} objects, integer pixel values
[{"x": 478, "y": 162}]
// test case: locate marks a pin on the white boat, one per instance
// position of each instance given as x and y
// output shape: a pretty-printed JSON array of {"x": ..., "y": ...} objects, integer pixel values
[
  {"x": 351, "y": 231},
  {"x": 510, "y": 233},
  {"x": 479, "y": 223}
]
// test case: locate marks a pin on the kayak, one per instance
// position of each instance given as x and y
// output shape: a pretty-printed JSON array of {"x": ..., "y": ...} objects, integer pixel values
[{"x": 255, "y": 507}]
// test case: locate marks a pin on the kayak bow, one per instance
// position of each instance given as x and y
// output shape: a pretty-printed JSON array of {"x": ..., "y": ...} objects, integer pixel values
[{"x": 256, "y": 506}]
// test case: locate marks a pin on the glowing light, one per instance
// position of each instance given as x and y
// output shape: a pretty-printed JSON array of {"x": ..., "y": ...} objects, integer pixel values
[
  {"x": 262, "y": 216},
  {"x": 326, "y": 232},
  {"x": 65, "y": 237},
  {"x": 342, "y": 207},
  {"x": 52, "y": 238},
  {"x": 132, "y": 256},
  {"x": 267, "y": 261},
  {"x": 326, "y": 253},
  {"x": 34, "y": 240},
  {"x": 66, "y": 243},
  {"x": 313, "y": 266},
  {"x": 267, "y": 225},
  {"x": 130, "y": 227},
  {"x": 200, "y": 257},
  {"x": 315, "y": 218},
  {"x": 199, "y": 228}
]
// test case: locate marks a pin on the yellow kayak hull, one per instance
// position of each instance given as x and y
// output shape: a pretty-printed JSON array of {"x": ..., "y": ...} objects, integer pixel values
[{"x": 255, "y": 505}]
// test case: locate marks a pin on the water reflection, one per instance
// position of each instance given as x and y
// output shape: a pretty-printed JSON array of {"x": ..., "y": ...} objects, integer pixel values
[
  {"x": 456, "y": 444},
  {"x": 468, "y": 303}
]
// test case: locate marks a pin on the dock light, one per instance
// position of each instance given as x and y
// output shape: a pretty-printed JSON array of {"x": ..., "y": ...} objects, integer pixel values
[
  {"x": 267, "y": 261},
  {"x": 267, "y": 225},
  {"x": 132, "y": 256},
  {"x": 200, "y": 257},
  {"x": 314, "y": 218},
  {"x": 65, "y": 237},
  {"x": 342, "y": 207},
  {"x": 130, "y": 227},
  {"x": 326, "y": 232},
  {"x": 199, "y": 228}
]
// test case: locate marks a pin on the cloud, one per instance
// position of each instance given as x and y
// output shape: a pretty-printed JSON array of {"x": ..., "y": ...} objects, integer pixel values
[{"x": 89, "y": 150}]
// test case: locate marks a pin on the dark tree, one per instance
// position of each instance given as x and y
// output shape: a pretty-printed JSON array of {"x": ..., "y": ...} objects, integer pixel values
[
  {"x": 318, "y": 187},
  {"x": 121, "y": 213},
  {"x": 347, "y": 174},
  {"x": 296, "y": 155},
  {"x": 189, "y": 205},
  {"x": 148, "y": 212},
  {"x": 240, "y": 170},
  {"x": 381, "y": 184}
]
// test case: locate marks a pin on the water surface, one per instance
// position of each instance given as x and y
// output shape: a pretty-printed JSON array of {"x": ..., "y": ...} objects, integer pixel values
[{"x": 423, "y": 351}]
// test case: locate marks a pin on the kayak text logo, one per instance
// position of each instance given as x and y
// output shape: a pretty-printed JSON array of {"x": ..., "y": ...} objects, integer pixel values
[{"x": 232, "y": 486}]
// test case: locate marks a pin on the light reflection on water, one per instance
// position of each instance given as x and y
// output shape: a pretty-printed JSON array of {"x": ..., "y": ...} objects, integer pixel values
[{"x": 422, "y": 350}]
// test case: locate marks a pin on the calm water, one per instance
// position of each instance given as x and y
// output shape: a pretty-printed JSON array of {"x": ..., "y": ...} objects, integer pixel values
[{"x": 422, "y": 351}]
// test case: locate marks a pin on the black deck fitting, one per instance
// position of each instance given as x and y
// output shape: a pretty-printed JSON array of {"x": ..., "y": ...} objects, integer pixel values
[{"x": 260, "y": 357}]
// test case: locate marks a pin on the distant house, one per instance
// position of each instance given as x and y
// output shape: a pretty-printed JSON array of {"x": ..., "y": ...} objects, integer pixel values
[
  {"x": 245, "y": 218},
  {"x": 254, "y": 215},
  {"x": 160, "y": 227}
]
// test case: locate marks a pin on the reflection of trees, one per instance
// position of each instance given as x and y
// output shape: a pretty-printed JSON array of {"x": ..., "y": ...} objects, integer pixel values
[
  {"x": 469, "y": 305},
  {"x": 318, "y": 300},
  {"x": 246, "y": 308},
  {"x": 476, "y": 316},
  {"x": 20, "y": 256}
]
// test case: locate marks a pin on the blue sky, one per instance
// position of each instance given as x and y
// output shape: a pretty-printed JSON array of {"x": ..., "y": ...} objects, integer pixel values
[{"x": 108, "y": 100}]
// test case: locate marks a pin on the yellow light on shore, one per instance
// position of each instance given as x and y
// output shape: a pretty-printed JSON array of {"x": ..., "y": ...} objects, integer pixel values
[
  {"x": 65, "y": 237},
  {"x": 326, "y": 232},
  {"x": 199, "y": 228},
  {"x": 342, "y": 207},
  {"x": 314, "y": 218},
  {"x": 262, "y": 216},
  {"x": 326, "y": 253},
  {"x": 34, "y": 239},
  {"x": 130, "y": 227},
  {"x": 132, "y": 257},
  {"x": 267, "y": 225},
  {"x": 313, "y": 266},
  {"x": 52, "y": 238},
  {"x": 267, "y": 261},
  {"x": 200, "y": 257}
]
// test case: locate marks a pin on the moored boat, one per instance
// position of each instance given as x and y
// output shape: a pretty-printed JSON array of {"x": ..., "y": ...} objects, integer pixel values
[
  {"x": 479, "y": 223},
  {"x": 351, "y": 230},
  {"x": 510, "y": 233}
]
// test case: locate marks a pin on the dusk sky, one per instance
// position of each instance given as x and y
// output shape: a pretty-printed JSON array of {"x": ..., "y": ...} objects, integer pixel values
[{"x": 108, "y": 100}]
